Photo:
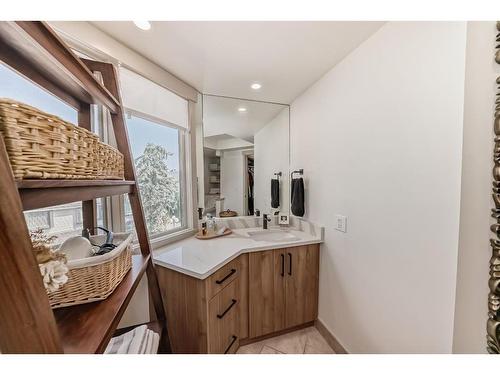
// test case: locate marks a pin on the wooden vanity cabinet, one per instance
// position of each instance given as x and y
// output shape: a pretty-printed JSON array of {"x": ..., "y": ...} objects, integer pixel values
[
  {"x": 206, "y": 316},
  {"x": 283, "y": 288},
  {"x": 266, "y": 292},
  {"x": 301, "y": 285},
  {"x": 256, "y": 294}
]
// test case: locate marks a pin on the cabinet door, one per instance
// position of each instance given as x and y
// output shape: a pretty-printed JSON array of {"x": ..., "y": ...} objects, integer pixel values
[
  {"x": 224, "y": 320},
  {"x": 301, "y": 286},
  {"x": 266, "y": 280}
]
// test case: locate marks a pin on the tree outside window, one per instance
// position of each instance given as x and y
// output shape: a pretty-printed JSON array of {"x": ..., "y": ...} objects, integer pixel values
[{"x": 155, "y": 148}]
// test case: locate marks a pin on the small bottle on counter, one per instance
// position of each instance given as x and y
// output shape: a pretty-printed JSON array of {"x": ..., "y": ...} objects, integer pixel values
[
  {"x": 211, "y": 225},
  {"x": 204, "y": 228}
]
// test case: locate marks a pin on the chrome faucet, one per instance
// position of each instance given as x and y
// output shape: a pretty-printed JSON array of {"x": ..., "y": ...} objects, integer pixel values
[{"x": 265, "y": 220}]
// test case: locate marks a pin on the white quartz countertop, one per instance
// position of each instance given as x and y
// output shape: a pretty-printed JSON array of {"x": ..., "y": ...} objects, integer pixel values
[{"x": 201, "y": 258}]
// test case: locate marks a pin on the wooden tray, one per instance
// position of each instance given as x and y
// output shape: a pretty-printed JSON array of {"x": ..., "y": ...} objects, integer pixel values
[{"x": 214, "y": 235}]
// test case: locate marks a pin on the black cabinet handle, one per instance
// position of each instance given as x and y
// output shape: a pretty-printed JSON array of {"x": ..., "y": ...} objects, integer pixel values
[
  {"x": 233, "y": 302},
  {"x": 233, "y": 340},
  {"x": 282, "y": 265},
  {"x": 290, "y": 264},
  {"x": 233, "y": 271}
]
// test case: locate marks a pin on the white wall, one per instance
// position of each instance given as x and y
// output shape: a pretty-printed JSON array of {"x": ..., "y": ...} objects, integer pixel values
[
  {"x": 232, "y": 180},
  {"x": 380, "y": 141},
  {"x": 137, "y": 311},
  {"x": 271, "y": 156},
  {"x": 474, "y": 251}
]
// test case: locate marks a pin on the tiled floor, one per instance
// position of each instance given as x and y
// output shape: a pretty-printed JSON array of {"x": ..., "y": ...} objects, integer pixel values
[{"x": 305, "y": 341}]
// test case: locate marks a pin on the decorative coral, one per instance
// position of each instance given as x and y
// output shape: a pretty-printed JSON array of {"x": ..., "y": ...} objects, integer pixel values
[
  {"x": 42, "y": 245},
  {"x": 52, "y": 263},
  {"x": 54, "y": 274}
]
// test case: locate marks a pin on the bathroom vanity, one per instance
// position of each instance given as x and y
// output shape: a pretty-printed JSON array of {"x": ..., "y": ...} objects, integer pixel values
[
  {"x": 222, "y": 293},
  {"x": 262, "y": 279}
]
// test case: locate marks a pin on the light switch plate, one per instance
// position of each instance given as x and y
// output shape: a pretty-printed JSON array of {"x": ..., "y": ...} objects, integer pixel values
[{"x": 341, "y": 223}]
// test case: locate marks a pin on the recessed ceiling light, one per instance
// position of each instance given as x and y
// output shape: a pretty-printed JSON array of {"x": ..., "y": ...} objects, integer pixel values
[
  {"x": 143, "y": 25},
  {"x": 242, "y": 109},
  {"x": 256, "y": 86}
]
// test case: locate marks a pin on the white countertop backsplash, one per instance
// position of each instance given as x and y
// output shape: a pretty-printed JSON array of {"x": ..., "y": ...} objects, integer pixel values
[{"x": 201, "y": 258}]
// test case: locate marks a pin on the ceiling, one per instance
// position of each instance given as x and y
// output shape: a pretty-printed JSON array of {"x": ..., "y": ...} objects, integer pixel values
[
  {"x": 221, "y": 117},
  {"x": 225, "y": 58},
  {"x": 225, "y": 142}
]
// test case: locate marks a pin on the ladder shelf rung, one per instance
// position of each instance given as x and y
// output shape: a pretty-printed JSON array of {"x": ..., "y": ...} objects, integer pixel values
[{"x": 45, "y": 193}]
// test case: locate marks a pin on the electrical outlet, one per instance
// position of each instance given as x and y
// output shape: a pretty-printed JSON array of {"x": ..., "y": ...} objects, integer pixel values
[{"x": 341, "y": 223}]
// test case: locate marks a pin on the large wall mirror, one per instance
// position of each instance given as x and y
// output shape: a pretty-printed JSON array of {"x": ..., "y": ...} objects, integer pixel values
[{"x": 243, "y": 157}]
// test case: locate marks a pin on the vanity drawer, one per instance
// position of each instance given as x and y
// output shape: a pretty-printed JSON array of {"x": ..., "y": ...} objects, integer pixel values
[
  {"x": 224, "y": 320},
  {"x": 223, "y": 277}
]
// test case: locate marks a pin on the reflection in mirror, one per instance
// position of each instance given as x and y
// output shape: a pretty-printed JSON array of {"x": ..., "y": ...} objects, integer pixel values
[{"x": 245, "y": 147}]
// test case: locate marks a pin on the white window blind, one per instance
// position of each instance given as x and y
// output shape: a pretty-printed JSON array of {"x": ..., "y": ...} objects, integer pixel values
[{"x": 142, "y": 95}]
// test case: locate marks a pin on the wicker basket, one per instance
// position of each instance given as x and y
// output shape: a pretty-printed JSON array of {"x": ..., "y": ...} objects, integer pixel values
[
  {"x": 110, "y": 163},
  {"x": 43, "y": 146},
  {"x": 95, "y": 278}
]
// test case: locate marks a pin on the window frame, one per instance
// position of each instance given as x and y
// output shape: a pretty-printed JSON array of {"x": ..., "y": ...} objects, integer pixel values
[
  {"x": 116, "y": 205},
  {"x": 102, "y": 129},
  {"x": 113, "y": 207},
  {"x": 185, "y": 181}
]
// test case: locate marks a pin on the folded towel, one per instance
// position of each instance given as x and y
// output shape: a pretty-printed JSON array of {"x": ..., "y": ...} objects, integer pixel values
[
  {"x": 275, "y": 193},
  {"x": 138, "y": 343},
  {"x": 298, "y": 197},
  {"x": 156, "y": 343},
  {"x": 152, "y": 344},
  {"x": 148, "y": 343},
  {"x": 120, "y": 344},
  {"x": 140, "y": 340}
]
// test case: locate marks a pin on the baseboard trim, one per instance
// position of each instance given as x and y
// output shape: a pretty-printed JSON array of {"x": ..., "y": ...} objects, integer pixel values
[
  {"x": 251, "y": 340},
  {"x": 330, "y": 338}
]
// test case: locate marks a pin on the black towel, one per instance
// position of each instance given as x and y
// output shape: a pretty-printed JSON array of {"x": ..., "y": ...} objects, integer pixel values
[
  {"x": 298, "y": 197},
  {"x": 275, "y": 193}
]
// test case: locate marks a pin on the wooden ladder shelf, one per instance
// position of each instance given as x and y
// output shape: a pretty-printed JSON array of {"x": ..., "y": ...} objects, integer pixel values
[{"x": 28, "y": 324}]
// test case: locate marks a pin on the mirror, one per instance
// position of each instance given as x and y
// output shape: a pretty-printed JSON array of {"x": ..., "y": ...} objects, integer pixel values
[{"x": 245, "y": 145}]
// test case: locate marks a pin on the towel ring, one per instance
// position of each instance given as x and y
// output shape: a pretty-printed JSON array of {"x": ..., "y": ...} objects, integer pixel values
[{"x": 299, "y": 171}]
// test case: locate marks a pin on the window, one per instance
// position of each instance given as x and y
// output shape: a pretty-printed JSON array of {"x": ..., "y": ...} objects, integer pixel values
[
  {"x": 157, "y": 152},
  {"x": 16, "y": 87},
  {"x": 157, "y": 122},
  {"x": 63, "y": 221},
  {"x": 157, "y": 127}
]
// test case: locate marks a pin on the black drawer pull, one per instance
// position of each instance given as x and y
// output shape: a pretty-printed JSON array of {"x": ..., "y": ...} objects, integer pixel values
[
  {"x": 233, "y": 302},
  {"x": 290, "y": 265},
  {"x": 233, "y": 271},
  {"x": 233, "y": 340},
  {"x": 282, "y": 265}
]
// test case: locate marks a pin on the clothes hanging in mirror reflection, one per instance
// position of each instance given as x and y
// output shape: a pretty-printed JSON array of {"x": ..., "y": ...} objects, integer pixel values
[{"x": 250, "y": 192}]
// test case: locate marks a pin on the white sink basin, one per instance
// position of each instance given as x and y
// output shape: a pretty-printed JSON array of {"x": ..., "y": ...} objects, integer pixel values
[{"x": 272, "y": 235}]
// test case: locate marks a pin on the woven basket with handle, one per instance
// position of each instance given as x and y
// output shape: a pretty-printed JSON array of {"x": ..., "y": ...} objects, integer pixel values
[{"x": 43, "y": 146}]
